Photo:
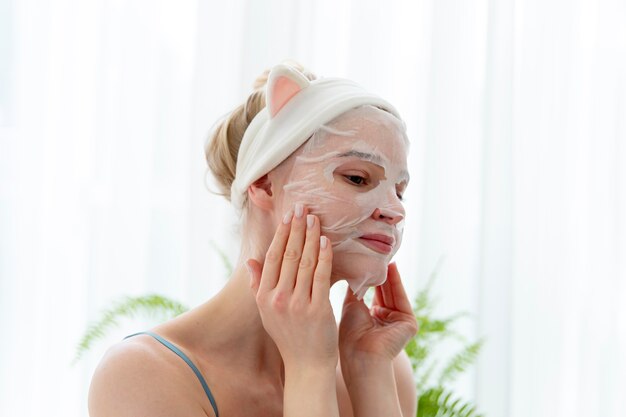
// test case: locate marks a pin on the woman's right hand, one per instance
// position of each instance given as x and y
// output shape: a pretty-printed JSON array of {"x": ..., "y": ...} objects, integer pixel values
[{"x": 292, "y": 293}]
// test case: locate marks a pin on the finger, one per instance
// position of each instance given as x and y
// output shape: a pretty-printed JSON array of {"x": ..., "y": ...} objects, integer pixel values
[
  {"x": 254, "y": 270},
  {"x": 293, "y": 251},
  {"x": 382, "y": 313},
  {"x": 400, "y": 299},
  {"x": 274, "y": 255},
  {"x": 321, "y": 278},
  {"x": 386, "y": 290},
  {"x": 396, "y": 317},
  {"x": 308, "y": 260}
]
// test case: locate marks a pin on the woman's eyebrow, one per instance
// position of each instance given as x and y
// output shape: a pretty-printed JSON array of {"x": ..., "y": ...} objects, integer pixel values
[
  {"x": 375, "y": 158},
  {"x": 363, "y": 155}
]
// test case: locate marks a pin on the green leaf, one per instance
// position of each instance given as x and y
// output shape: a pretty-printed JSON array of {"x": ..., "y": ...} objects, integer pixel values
[
  {"x": 439, "y": 402},
  {"x": 459, "y": 362},
  {"x": 422, "y": 382},
  {"x": 151, "y": 306}
]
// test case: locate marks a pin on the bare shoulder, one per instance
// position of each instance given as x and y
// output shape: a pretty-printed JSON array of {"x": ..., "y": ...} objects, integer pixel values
[
  {"x": 405, "y": 383},
  {"x": 136, "y": 377}
]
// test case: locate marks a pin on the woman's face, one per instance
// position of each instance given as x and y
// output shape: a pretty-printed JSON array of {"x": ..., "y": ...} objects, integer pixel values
[{"x": 352, "y": 174}]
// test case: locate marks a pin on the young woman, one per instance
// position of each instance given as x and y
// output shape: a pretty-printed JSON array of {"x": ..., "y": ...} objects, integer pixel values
[{"x": 316, "y": 169}]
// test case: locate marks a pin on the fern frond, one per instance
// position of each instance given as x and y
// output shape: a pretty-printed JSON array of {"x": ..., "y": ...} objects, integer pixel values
[
  {"x": 459, "y": 362},
  {"x": 423, "y": 379},
  {"x": 417, "y": 351},
  {"x": 423, "y": 302},
  {"x": 429, "y": 325},
  {"x": 411, "y": 348},
  {"x": 438, "y": 402},
  {"x": 152, "y": 305}
]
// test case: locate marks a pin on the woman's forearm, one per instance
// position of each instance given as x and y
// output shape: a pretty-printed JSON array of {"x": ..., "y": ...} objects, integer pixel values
[
  {"x": 310, "y": 392},
  {"x": 372, "y": 389}
]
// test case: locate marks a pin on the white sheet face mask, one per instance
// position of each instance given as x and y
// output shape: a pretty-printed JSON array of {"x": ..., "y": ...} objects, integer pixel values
[{"x": 351, "y": 174}]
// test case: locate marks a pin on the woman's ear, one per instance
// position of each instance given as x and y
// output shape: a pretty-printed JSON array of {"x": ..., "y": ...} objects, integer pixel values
[{"x": 260, "y": 193}]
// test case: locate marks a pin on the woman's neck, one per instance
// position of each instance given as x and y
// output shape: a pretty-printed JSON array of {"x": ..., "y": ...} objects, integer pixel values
[{"x": 229, "y": 326}]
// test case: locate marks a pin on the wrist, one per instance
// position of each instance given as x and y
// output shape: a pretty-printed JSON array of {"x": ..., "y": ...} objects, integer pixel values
[
  {"x": 365, "y": 368},
  {"x": 310, "y": 370},
  {"x": 374, "y": 393},
  {"x": 311, "y": 376},
  {"x": 299, "y": 364},
  {"x": 310, "y": 391},
  {"x": 353, "y": 353},
  {"x": 364, "y": 360}
]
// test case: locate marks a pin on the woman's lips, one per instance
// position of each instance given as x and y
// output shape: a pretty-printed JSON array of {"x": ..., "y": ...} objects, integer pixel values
[{"x": 376, "y": 245}]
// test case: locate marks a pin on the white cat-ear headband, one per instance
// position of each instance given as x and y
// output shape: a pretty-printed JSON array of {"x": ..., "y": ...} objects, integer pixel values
[{"x": 295, "y": 109}]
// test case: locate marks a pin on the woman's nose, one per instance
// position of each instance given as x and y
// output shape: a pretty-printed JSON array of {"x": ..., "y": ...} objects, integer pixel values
[{"x": 388, "y": 215}]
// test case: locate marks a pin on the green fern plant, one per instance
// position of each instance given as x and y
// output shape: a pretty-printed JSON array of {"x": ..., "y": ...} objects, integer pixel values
[{"x": 435, "y": 398}]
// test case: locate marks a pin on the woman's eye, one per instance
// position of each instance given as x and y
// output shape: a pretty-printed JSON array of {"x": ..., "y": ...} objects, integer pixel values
[{"x": 356, "y": 179}]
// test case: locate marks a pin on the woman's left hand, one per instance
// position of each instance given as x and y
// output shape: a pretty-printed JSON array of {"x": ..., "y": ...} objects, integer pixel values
[{"x": 380, "y": 333}]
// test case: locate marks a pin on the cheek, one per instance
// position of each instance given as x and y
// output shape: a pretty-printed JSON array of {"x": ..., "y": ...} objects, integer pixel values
[
  {"x": 338, "y": 209},
  {"x": 342, "y": 219}
]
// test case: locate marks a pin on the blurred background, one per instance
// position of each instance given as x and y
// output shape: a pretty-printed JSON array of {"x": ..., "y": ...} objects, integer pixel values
[{"x": 516, "y": 110}]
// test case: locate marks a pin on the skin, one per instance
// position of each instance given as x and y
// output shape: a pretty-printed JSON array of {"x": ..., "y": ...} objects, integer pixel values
[{"x": 267, "y": 343}]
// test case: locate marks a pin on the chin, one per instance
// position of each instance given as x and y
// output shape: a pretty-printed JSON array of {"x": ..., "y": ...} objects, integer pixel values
[{"x": 361, "y": 270}]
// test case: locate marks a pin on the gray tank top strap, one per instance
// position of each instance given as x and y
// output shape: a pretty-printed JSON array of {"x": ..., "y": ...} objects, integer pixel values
[{"x": 184, "y": 357}]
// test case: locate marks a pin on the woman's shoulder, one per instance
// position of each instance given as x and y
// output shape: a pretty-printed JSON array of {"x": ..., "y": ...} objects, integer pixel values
[
  {"x": 405, "y": 383},
  {"x": 137, "y": 377}
]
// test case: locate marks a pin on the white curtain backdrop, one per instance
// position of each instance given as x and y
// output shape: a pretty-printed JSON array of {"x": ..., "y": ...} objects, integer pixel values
[{"x": 517, "y": 114}]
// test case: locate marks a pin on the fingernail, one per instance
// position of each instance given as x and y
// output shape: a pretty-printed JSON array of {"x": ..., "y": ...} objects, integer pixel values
[
  {"x": 299, "y": 210},
  {"x": 287, "y": 218},
  {"x": 323, "y": 242},
  {"x": 310, "y": 220}
]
